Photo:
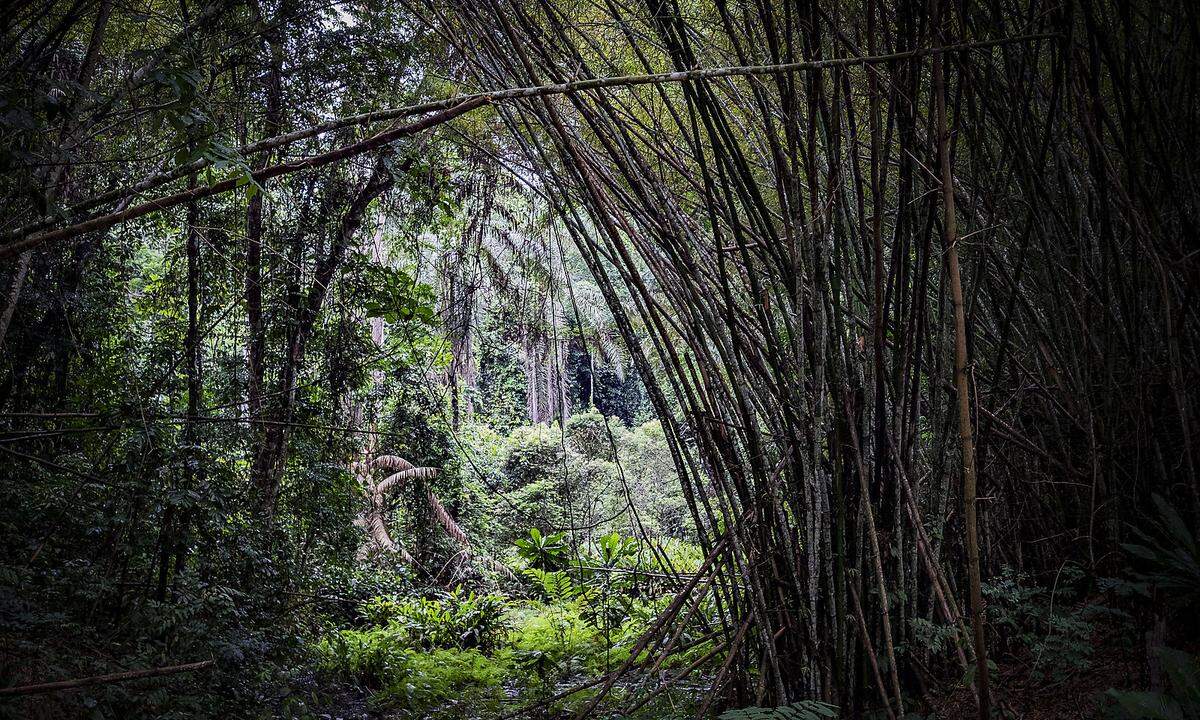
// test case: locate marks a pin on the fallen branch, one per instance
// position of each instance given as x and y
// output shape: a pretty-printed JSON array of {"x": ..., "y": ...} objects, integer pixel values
[{"x": 104, "y": 679}]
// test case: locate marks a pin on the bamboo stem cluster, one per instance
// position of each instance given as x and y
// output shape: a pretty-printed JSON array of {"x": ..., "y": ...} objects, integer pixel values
[{"x": 768, "y": 245}]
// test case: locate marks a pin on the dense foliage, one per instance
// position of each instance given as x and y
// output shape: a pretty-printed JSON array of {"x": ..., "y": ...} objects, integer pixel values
[{"x": 664, "y": 359}]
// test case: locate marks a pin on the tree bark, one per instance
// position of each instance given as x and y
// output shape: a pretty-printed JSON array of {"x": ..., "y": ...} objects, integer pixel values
[
  {"x": 256, "y": 332},
  {"x": 174, "y": 528},
  {"x": 14, "y": 293},
  {"x": 194, "y": 468}
]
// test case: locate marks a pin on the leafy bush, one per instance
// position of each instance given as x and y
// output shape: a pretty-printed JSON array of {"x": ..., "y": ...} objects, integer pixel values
[
  {"x": 589, "y": 436},
  {"x": 445, "y": 680},
  {"x": 407, "y": 679},
  {"x": 1180, "y": 701},
  {"x": 596, "y": 493},
  {"x": 543, "y": 552},
  {"x": 535, "y": 454},
  {"x": 613, "y": 549},
  {"x": 502, "y": 391},
  {"x": 415, "y": 657},
  {"x": 937, "y": 638},
  {"x": 651, "y": 474},
  {"x": 559, "y": 638},
  {"x": 684, "y": 556},
  {"x": 371, "y": 657}
]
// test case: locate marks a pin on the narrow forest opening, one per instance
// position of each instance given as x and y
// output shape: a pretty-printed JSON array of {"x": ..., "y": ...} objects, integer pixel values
[{"x": 599, "y": 359}]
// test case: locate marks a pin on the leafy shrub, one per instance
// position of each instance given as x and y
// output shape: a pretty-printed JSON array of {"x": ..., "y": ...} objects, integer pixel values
[
  {"x": 651, "y": 473},
  {"x": 488, "y": 450},
  {"x": 589, "y": 436},
  {"x": 1180, "y": 701},
  {"x": 594, "y": 487},
  {"x": 408, "y": 679},
  {"x": 543, "y": 552},
  {"x": 935, "y": 637},
  {"x": 557, "y": 637},
  {"x": 371, "y": 657},
  {"x": 535, "y": 454},
  {"x": 613, "y": 549},
  {"x": 445, "y": 680},
  {"x": 413, "y": 658},
  {"x": 684, "y": 556}
]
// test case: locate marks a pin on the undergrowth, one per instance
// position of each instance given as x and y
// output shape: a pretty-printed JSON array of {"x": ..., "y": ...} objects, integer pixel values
[
  {"x": 419, "y": 667},
  {"x": 462, "y": 654}
]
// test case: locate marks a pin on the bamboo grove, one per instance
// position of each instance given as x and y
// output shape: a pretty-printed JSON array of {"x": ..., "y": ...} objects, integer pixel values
[
  {"x": 789, "y": 245},
  {"x": 911, "y": 287}
]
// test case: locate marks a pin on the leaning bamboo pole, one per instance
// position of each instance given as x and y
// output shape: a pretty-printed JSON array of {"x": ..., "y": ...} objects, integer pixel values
[
  {"x": 962, "y": 386},
  {"x": 38, "y": 233}
]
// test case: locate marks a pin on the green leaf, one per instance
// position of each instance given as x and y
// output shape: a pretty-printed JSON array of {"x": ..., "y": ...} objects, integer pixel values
[{"x": 1144, "y": 706}]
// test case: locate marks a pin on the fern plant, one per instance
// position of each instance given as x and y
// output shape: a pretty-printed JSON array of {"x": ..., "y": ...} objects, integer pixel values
[
  {"x": 802, "y": 710},
  {"x": 454, "y": 619}
]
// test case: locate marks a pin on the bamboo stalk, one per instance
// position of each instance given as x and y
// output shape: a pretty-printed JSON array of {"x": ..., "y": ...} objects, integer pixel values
[
  {"x": 870, "y": 649},
  {"x": 962, "y": 386}
]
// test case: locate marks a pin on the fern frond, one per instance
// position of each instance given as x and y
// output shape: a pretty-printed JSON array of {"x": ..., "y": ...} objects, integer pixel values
[
  {"x": 391, "y": 462},
  {"x": 443, "y": 517},
  {"x": 415, "y": 473},
  {"x": 802, "y": 710}
]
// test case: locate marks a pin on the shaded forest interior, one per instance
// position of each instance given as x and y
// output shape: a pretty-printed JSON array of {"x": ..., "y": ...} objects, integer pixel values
[{"x": 600, "y": 359}]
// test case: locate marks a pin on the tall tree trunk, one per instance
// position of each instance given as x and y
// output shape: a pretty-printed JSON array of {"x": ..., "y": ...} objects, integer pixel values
[
  {"x": 14, "y": 293},
  {"x": 256, "y": 330},
  {"x": 532, "y": 365},
  {"x": 962, "y": 388},
  {"x": 174, "y": 529}
]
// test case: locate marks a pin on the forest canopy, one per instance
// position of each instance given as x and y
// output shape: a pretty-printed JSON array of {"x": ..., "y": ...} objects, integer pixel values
[{"x": 599, "y": 359}]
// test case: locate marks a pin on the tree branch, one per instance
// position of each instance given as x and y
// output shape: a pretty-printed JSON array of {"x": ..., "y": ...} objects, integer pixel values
[
  {"x": 104, "y": 679},
  {"x": 26, "y": 234}
]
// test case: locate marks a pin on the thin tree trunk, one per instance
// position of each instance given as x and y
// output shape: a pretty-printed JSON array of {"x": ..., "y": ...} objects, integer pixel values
[
  {"x": 870, "y": 650},
  {"x": 877, "y": 560},
  {"x": 14, "y": 293},
  {"x": 104, "y": 679},
  {"x": 194, "y": 471},
  {"x": 175, "y": 524},
  {"x": 256, "y": 330}
]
